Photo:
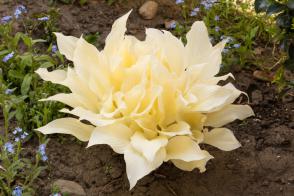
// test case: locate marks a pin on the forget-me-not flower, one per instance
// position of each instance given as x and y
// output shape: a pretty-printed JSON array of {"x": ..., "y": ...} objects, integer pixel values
[
  {"x": 179, "y": 1},
  {"x": 6, "y": 19},
  {"x": 19, "y": 10},
  {"x": 45, "y": 18},
  {"x": 7, "y": 57},
  {"x": 8, "y": 91},
  {"x": 54, "y": 48},
  {"x": 17, "y": 191},
  {"x": 237, "y": 45},
  {"x": 42, "y": 151},
  {"x": 195, "y": 11},
  {"x": 8, "y": 146}
]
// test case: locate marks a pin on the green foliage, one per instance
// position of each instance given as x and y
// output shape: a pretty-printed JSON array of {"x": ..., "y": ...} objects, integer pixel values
[
  {"x": 235, "y": 22},
  {"x": 20, "y": 92},
  {"x": 283, "y": 12}
]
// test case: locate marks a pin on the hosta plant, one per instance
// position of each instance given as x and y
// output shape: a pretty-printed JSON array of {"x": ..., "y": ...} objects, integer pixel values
[{"x": 152, "y": 101}]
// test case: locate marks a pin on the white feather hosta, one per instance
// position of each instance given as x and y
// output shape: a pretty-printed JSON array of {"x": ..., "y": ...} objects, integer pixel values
[{"x": 153, "y": 101}]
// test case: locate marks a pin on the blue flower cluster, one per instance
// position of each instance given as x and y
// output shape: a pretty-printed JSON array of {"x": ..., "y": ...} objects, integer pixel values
[
  {"x": 19, "y": 134},
  {"x": 19, "y": 11},
  {"x": 17, "y": 191},
  {"x": 208, "y": 3},
  {"x": 231, "y": 43},
  {"x": 8, "y": 146},
  {"x": 42, "y": 151}
]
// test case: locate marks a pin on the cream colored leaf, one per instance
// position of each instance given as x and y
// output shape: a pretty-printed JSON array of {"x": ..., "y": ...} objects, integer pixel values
[
  {"x": 198, "y": 44},
  {"x": 57, "y": 76},
  {"x": 66, "y": 45},
  {"x": 117, "y": 33},
  {"x": 228, "y": 114},
  {"x": 70, "y": 126},
  {"x": 94, "y": 119},
  {"x": 138, "y": 167},
  {"x": 191, "y": 165},
  {"x": 179, "y": 128},
  {"x": 148, "y": 148},
  {"x": 221, "y": 138},
  {"x": 184, "y": 148},
  {"x": 68, "y": 99},
  {"x": 117, "y": 136}
]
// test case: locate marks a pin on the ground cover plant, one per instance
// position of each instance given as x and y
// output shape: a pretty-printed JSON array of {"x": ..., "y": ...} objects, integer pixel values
[{"x": 258, "y": 52}]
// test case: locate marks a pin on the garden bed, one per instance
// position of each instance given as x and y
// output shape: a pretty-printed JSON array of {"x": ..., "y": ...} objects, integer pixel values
[{"x": 264, "y": 165}]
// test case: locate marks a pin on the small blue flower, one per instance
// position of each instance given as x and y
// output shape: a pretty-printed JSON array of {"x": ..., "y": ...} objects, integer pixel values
[
  {"x": 42, "y": 148},
  {"x": 24, "y": 135},
  {"x": 17, "y": 139},
  {"x": 6, "y": 19},
  {"x": 195, "y": 11},
  {"x": 7, "y": 57},
  {"x": 45, "y": 18},
  {"x": 216, "y": 18},
  {"x": 228, "y": 38},
  {"x": 18, "y": 129},
  {"x": 42, "y": 151},
  {"x": 8, "y": 146},
  {"x": 8, "y": 91},
  {"x": 237, "y": 45},
  {"x": 44, "y": 158},
  {"x": 54, "y": 48},
  {"x": 19, "y": 10},
  {"x": 179, "y": 1},
  {"x": 217, "y": 28},
  {"x": 17, "y": 191}
]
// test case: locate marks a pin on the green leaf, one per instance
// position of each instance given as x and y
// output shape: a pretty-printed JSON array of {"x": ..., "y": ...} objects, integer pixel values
[
  {"x": 92, "y": 38},
  {"x": 26, "y": 60},
  {"x": 27, "y": 40},
  {"x": 262, "y": 5},
  {"x": 16, "y": 38},
  {"x": 44, "y": 58},
  {"x": 253, "y": 32},
  {"x": 3, "y": 52},
  {"x": 25, "y": 86},
  {"x": 15, "y": 74},
  {"x": 38, "y": 41},
  {"x": 47, "y": 64}
]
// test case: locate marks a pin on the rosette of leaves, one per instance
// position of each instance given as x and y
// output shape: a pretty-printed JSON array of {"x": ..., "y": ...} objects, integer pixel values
[{"x": 284, "y": 15}]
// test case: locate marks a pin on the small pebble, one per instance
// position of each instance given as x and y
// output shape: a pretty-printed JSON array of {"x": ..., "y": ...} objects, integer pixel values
[{"x": 148, "y": 10}]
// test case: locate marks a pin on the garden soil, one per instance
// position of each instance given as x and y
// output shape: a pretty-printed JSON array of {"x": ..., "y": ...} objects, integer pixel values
[{"x": 264, "y": 165}]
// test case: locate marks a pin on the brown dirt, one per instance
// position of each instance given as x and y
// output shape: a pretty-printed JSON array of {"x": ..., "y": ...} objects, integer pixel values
[{"x": 264, "y": 165}]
